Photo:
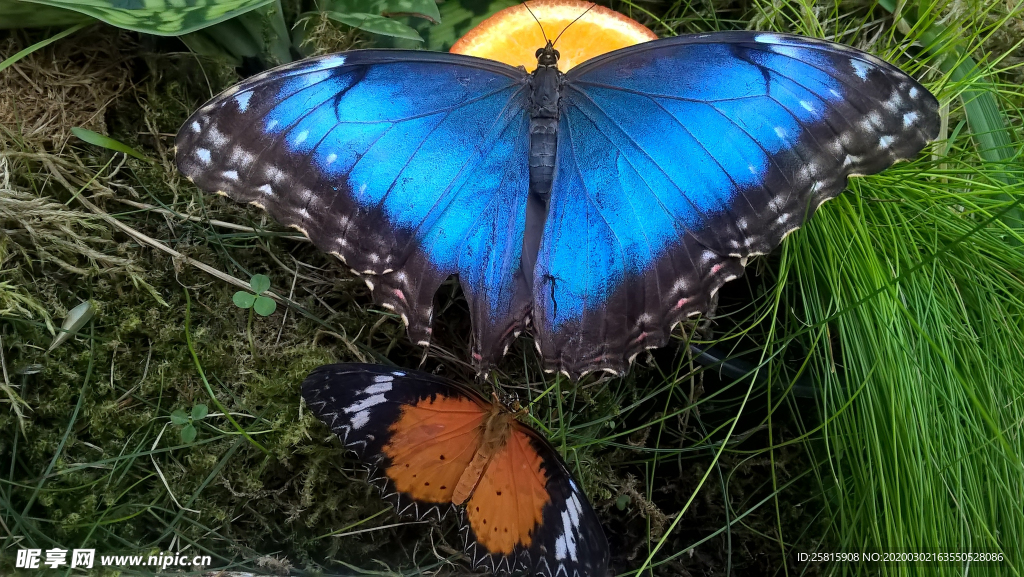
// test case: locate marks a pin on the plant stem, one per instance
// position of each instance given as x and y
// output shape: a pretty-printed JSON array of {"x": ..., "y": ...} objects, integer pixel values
[{"x": 248, "y": 331}]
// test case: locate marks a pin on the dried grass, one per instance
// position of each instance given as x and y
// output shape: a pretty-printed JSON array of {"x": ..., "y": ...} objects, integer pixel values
[{"x": 63, "y": 85}]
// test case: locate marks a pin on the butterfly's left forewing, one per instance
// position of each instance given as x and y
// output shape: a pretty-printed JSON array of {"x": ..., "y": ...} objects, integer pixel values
[
  {"x": 416, "y": 434},
  {"x": 410, "y": 166},
  {"x": 679, "y": 158}
]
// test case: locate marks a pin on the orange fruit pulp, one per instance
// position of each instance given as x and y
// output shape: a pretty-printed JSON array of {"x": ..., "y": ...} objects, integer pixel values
[{"x": 513, "y": 35}]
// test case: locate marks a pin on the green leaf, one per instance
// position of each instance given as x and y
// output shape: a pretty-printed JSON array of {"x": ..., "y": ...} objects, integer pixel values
[
  {"x": 243, "y": 300},
  {"x": 353, "y": 6},
  {"x": 264, "y": 306},
  {"x": 260, "y": 34},
  {"x": 260, "y": 283},
  {"x": 160, "y": 17},
  {"x": 199, "y": 412},
  {"x": 15, "y": 14},
  {"x": 76, "y": 319},
  {"x": 108, "y": 143},
  {"x": 421, "y": 8},
  {"x": 178, "y": 417},
  {"x": 188, "y": 433},
  {"x": 228, "y": 40},
  {"x": 457, "y": 18},
  {"x": 376, "y": 24}
]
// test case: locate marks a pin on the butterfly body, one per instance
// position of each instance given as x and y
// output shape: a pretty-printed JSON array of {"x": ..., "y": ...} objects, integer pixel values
[
  {"x": 435, "y": 447},
  {"x": 595, "y": 208}
]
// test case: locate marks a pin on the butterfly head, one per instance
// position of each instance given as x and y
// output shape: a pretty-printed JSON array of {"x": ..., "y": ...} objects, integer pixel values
[{"x": 547, "y": 56}]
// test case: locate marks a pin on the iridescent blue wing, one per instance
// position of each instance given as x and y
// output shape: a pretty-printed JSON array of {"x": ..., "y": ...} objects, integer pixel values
[
  {"x": 680, "y": 158},
  {"x": 410, "y": 166}
]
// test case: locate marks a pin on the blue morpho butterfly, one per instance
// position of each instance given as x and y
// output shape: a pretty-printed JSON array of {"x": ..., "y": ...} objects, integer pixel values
[{"x": 599, "y": 207}]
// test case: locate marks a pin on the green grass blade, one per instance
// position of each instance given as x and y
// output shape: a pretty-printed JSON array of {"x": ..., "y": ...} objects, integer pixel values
[
  {"x": 108, "y": 143},
  {"x": 41, "y": 44}
]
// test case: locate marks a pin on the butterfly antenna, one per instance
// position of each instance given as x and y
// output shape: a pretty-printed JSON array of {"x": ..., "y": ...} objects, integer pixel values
[
  {"x": 571, "y": 23},
  {"x": 538, "y": 23}
]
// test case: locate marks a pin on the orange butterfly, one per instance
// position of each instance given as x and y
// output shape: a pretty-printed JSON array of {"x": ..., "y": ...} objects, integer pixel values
[{"x": 434, "y": 446}]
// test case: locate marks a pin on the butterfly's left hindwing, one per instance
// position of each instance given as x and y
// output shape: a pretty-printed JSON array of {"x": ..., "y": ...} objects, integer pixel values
[
  {"x": 679, "y": 158},
  {"x": 419, "y": 433},
  {"x": 410, "y": 166}
]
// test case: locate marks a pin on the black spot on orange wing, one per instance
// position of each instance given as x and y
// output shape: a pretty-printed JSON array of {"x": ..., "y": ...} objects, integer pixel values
[{"x": 423, "y": 432}]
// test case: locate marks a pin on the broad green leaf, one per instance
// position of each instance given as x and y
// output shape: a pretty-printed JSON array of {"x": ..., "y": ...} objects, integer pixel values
[
  {"x": 199, "y": 412},
  {"x": 264, "y": 306},
  {"x": 376, "y": 24},
  {"x": 160, "y": 17},
  {"x": 421, "y": 8},
  {"x": 178, "y": 417},
  {"x": 243, "y": 300},
  {"x": 229, "y": 40},
  {"x": 188, "y": 433},
  {"x": 457, "y": 18},
  {"x": 76, "y": 319},
  {"x": 260, "y": 283},
  {"x": 17, "y": 14},
  {"x": 108, "y": 143},
  {"x": 353, "y": 6}
]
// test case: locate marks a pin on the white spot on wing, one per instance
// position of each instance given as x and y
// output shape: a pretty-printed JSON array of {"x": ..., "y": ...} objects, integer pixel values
[
  {"x": 766, "y": 38},
  {"x": 360, "y": 419},
  {"x": 242, "y": 100},
  {"x": 301, "y": 137},
  {"x": 909, "y": 119},
  {"x": 231, "y": 174},
  {"x": 860, "y": 69},
  {"x": 203, "y": 155},
  {"x": 377, "y": 388},
  {"x": 362, "y": 405}
]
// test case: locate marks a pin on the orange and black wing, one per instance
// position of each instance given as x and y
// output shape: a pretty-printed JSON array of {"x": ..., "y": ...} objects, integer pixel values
[
  {"x": 416, "y": 432},
  {"x": 529, "y": 516}
]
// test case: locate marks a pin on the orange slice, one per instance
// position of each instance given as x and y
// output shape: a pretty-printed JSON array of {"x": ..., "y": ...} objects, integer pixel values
[{"x": 512, "y": 36}]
